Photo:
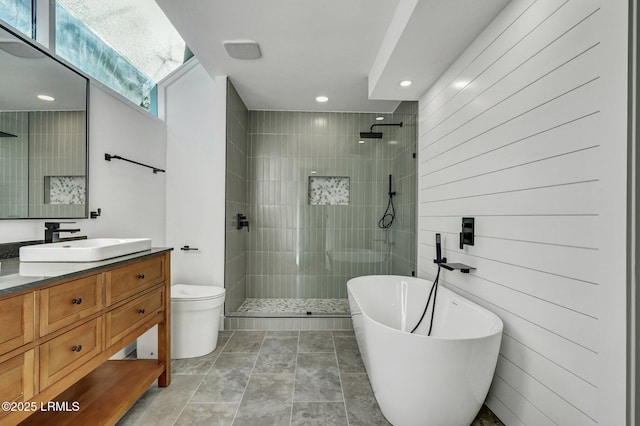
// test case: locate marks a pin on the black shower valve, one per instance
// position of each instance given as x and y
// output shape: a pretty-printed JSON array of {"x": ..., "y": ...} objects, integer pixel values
[
  {"x": 242, "y": 221},
  {"x": 467, "y": 234}
]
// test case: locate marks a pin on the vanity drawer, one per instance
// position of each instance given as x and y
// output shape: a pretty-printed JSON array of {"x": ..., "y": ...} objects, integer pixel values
[
  {"x": 16, "y": 322},
  {"x": 123, "y": 320},
  {"x": 17, "y": 378},
  {"x": 67, "y": 303},
  {"x": 63, "y": 354},
  {"x": 131, "y": 279}
]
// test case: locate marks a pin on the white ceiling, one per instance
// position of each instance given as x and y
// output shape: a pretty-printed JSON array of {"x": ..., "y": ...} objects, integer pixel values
[
  {"x": 331, "y": 47},
  {"x": 25, "y": 78}
]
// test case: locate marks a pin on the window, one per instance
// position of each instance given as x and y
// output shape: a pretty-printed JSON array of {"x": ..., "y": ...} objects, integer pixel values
[
  {"x": 18, "y": 14},
  {"x": 128, "y": 46}
]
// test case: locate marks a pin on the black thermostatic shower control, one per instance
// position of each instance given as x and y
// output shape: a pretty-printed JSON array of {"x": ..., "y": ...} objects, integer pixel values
[{"x": 466, "y": 236}]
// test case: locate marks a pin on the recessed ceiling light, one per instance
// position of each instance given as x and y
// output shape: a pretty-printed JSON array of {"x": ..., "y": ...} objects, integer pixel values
[
  {"x": 46, "y": 98},
  {"x": 322, "y": 99},
  {"x": 393, "y": 142},
  {"x": 461, "y": 84},
  {"x": 360, "y": 141},
  {"x": 313, "y": 172},
  {"x": 379, "y": 118},
  {"x": 406, "y": 83}
]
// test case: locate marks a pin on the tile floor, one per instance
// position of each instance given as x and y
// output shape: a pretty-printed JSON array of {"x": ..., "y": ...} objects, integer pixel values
[{"x": 269, "y": 378}]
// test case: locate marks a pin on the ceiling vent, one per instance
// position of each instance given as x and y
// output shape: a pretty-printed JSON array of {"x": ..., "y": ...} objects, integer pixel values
[{"x": 242, "y": 49}]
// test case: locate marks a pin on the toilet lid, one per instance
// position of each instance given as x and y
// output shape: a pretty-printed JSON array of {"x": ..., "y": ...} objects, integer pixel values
[{"x": 184, "y": 292}]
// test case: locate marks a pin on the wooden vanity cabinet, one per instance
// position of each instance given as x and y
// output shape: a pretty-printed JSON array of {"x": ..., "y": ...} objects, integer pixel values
[
  {"x": 56, "y": 341},
  {"x": 18, "y": 377},
  {"x": 16, "y": 319},
  {"x": 68, "y": 303}
]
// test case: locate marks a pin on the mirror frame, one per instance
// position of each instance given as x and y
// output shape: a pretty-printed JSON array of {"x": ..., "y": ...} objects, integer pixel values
[{"x": 33, "y": 44}]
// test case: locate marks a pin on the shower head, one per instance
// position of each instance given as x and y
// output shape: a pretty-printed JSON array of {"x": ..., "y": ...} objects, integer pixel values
[
  {"x": 371, "y": 135},
  {"x": 377, "y": 135}
]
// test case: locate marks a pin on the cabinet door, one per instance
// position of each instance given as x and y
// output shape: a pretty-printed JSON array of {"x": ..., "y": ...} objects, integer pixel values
[
  {"x": 17, "y": 378},
  {"x": 16, "y": 320},
  {"x": 67, "y": 303},
  {"x": 62, "y": 355},
  {"x": 131, "y": 279},
  {"x": 125, "y": 319}
]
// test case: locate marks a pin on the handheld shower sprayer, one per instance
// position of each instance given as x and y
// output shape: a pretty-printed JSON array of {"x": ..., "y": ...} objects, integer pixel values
[
  {"x": 434, "y": 288},
  {"x": 390, "y": 213}
]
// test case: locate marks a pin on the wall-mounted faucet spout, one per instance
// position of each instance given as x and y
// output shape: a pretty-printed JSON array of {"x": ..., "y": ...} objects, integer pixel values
[{"x": 52, "y": 231}]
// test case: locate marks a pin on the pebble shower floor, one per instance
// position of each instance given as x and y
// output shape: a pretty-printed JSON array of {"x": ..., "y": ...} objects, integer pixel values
[{"x": 294, "y": 307}]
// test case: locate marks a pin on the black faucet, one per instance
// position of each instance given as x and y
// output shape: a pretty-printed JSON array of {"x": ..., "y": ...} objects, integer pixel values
[{"x": 52, "y": 231}]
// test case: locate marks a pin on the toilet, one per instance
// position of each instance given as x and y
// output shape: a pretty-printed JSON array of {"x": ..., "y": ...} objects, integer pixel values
[{"x": 195, "y": 319}]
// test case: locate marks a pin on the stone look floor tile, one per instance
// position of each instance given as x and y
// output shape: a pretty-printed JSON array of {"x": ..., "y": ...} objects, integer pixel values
[
  {"x": 253, "y": 382},
  {"x": 267, "y": 401},
  {"x": 245, "y": 341},
  {"x": 208, "y": 414},
  {"x": 349, "y": 359},
  {"x": 199, "y": 365},
  {"x": 362, "y": 407},
  {"x": 317, "y": 378},
  {"x": 342, "y": 333},
  {"x": 315, "y": 341},
  {"x": 278, "y": 354},
  {"x": 227, "y": 379},
  {"x": 318, "y": 414},
  {"x": 486, "y": 418},
  {"x": 274, "y": 333},
  {"x": 162, "y": 406}
]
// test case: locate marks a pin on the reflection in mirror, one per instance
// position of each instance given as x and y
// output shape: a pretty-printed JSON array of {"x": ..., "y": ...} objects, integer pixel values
[{"x": 43, "y": 134}]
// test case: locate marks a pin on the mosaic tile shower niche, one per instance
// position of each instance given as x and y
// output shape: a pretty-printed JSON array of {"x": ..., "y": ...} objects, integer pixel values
[
  {"x": 314, "y": 199},
  {"x": 328, "y": 191}
]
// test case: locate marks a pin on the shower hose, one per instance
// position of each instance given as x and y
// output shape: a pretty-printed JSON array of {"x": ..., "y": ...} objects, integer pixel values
[
  {"x": 389, "y": 215},
  {"x": 434, "y": 292}
]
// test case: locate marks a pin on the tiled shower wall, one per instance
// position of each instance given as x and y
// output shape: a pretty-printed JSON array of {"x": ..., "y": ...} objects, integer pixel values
[
  {"x": 14, "y": 165},
  {"x": 57, "y": 147},
  {"x": 403, "y": 169},
  {"x": 236, "y": 200},
  {"x": 49, "y": 143},
  {"x": 298, "y": 250}
]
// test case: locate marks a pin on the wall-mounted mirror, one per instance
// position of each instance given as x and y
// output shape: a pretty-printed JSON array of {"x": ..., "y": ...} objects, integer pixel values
[{"x": 43, "y": 134}]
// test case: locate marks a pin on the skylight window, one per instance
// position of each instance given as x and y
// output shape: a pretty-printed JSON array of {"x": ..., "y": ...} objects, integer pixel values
[
  {"x": 17, "y": 13},
  {"x": 129, "y": 46}
]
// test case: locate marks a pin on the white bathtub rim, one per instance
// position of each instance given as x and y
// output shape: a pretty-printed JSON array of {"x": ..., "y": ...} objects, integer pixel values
[{"x": 454, "y": 339}]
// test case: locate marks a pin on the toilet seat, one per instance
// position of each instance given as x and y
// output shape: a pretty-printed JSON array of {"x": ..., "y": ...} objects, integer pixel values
[{"x": 191, "y": 293}]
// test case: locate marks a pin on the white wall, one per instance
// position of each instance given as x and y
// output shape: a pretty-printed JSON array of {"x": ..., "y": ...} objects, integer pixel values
[
  {"x": 132, "y": 198},
  {"x": 195, "y": 108},
  {"x": 526, "y": 132}
]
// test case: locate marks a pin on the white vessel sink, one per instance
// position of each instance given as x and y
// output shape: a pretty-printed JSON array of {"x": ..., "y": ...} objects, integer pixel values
[{"x": 89, "y": 250}]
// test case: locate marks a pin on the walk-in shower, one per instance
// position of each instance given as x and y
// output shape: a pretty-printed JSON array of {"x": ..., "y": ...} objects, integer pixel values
[{"x": 314, "y": 196}]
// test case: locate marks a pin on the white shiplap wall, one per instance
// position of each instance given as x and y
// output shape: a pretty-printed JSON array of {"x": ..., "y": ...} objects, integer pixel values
[{"x": 511, "y": 134}]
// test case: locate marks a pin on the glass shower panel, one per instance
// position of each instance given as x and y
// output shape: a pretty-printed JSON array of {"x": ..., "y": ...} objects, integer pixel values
[{"x": 300, "y": 253}]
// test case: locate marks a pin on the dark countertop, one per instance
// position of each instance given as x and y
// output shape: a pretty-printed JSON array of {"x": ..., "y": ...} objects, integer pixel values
[{"x": 17, "y": 276}]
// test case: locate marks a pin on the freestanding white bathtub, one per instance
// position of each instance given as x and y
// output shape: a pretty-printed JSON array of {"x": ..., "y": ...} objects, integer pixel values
[{"x": 437, "y": 380}]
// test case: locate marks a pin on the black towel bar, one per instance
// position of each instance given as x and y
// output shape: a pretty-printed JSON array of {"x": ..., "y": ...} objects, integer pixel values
[{"x": 108, "y": 157}]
